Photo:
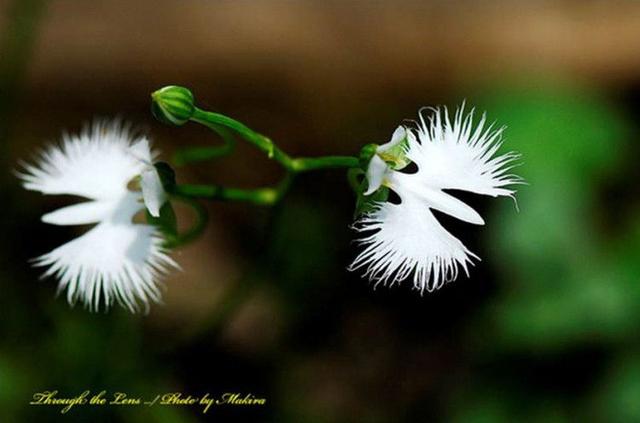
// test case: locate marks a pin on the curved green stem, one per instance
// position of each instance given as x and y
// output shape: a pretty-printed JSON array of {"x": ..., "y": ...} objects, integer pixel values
[
  {"x": 180, "y": 100},
  {"x": 264, "y": 144},
  {"x": 196, "y": 154},
  {"x": 260, "y": 196},
  {"x": 202, "y": 217},
  {"x": 353, "y": 176}
]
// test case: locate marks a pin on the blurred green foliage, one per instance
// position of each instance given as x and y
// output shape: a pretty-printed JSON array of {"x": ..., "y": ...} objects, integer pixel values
[{"x": 567, "y": 284}]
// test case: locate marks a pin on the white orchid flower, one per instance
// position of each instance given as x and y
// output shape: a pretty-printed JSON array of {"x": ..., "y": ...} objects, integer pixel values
[
  {"x": 407, "y": 238},
  {"x": 117, "y": 259}
]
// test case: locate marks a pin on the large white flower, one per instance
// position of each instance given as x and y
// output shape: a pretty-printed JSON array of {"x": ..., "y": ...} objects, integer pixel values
[
  {"x": 407, "y": 238},
  {"x": 117, "y": 259}
]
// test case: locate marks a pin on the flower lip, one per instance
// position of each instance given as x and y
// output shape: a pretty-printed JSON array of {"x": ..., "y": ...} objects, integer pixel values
[{"x": 435, "y": 198}]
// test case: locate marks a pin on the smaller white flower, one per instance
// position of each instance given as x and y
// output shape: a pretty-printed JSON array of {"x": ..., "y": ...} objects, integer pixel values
[
  {"x": 406, "y": 238},
  {"x": 117, "y": 259}
]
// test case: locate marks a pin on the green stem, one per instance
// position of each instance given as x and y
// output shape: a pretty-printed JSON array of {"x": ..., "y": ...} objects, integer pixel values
[
  {"x": 197, "y": 154},
  {"x": 304, "y": 164},
  {"x": 260, "y": 196},
  {"x": 198, "y": 227},
  {"x": 264, "y": 144}
]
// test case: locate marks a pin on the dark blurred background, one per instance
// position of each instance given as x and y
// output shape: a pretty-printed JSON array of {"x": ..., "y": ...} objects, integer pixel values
[{"x": 546, "y": 329}]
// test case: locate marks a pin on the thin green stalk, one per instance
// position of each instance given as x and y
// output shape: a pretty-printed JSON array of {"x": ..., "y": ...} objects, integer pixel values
[
  {"x": 202, "y": 217},
  {"x": 260, "y": 196},
  {"x": 174, "y": 105},
  {"x": 197, "y": 154},
  {"x": 264, "y": 144},
  {"x": 304, "y": 164}
]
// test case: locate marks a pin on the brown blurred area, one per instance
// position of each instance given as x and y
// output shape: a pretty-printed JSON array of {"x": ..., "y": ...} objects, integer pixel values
[
  {"x": 332, "y": 44},
  {"x": 297, "y": 64},
  {"x": 341, "y": 44}
]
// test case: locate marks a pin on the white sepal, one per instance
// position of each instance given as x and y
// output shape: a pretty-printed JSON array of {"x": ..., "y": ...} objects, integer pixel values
[
  {"x": 397, "y": 137},
  {"x": 376, "y": 173},
  {"x": 153, "y": 192}
]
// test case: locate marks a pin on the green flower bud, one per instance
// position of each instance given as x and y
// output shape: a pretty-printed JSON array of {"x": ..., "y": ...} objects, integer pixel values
[{"x": 172, "y": 105}]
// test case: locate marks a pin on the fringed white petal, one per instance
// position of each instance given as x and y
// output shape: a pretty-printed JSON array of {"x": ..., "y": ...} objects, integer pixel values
[
  {"x": 117, "y": 260},
  {"x": 455, "y": 155},
  {"x": 407, "y": 239},
  {"x": 96, "y": 164},
  {"x": 141, "y": 150}
]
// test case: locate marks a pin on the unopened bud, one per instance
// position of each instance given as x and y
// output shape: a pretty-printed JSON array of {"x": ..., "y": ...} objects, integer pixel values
[{"x": 172, "y": 105}]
